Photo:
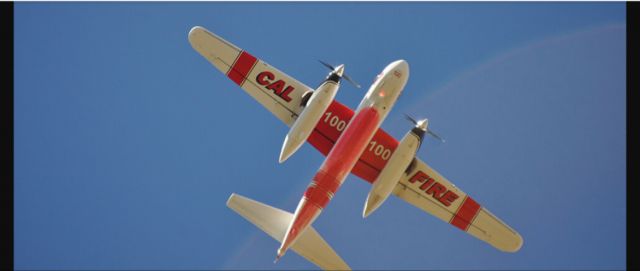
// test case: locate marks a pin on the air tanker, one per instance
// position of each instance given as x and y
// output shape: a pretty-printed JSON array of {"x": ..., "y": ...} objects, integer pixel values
[{"x": 353, "y": 143}]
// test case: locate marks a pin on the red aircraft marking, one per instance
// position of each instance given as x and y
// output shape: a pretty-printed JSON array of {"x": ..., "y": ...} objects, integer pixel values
[
  {"x": 334, "y": 170},
  {"x": 279, "y": 87},
  {"x": 369, "y": 165},
  {"x": 465, "y": 214},
  {"x": 241, "y": 67}
]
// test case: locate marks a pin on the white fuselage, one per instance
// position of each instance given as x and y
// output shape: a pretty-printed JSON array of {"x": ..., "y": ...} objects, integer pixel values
[{"x": 387, "y": 87}]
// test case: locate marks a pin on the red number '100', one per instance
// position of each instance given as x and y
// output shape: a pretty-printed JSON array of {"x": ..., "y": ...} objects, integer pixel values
[{"x": 377, "y": 149}]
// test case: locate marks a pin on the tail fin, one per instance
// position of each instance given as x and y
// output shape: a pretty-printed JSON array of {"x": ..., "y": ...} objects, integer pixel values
[{"x": 275, "y": 222}]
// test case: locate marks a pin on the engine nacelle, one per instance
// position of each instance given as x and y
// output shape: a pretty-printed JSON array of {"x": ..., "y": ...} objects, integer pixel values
[
  {"x": 392, "y": 172},
  {"x": 301, "y": 129}
]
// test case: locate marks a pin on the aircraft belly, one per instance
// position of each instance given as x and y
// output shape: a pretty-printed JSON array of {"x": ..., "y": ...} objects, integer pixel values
[
  {"x": 351, "y": 144},
  {"x": 340, "y": 160}
]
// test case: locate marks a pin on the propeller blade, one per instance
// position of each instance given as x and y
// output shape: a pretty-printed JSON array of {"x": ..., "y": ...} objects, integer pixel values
[
  {"x": 327, "y": 65},
  {"x": 436, "y": 136},
  {"x": 415, "y": 122},
  {"x": 351, "y": 80}
]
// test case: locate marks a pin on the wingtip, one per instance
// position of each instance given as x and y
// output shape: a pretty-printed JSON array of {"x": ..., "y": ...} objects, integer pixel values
[
  {"x": 513, "y": 245},
  {"x": 230, "y": 199},
  {"x": 519, "y": 243},
  {"x": 195, "y": 35},
  {"x": 195, "y": 29}
]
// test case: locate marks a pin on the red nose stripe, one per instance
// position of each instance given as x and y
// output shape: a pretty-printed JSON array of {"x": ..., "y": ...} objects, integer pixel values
[{"x": 241, "y": 67}]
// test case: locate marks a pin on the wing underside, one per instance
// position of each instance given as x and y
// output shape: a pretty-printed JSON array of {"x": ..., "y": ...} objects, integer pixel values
[
  {"x": 278, "y": 92},
  {"x": 426, "y": 189}
]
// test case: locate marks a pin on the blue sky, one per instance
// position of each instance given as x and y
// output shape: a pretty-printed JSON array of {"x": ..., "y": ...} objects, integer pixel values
[{"x": 128, "y": 142}]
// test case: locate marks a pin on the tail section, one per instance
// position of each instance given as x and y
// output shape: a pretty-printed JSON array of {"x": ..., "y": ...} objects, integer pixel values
[{"x": 275, "y": 222}]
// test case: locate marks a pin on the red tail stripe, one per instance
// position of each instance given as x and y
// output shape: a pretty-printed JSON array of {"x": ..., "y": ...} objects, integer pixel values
[
  {"x": 465, "y": 214},
  {"x": 241, "y": 67}
]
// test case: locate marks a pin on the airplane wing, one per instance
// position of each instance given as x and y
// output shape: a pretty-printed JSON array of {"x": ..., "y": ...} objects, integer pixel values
[
  {"x": 282, "y": 95},
  {"x": 279, "y": 93},
  {"x": 426, "y": 189},
  {"x": 422, "y": 186}
]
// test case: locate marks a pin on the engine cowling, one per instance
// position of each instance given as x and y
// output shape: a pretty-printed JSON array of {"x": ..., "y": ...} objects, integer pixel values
[
  {"x": 315, "y": 107},
  {"x": 393, "y": 170}
]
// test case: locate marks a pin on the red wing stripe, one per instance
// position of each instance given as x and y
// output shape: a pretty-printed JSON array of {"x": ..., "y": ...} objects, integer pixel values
[
  {"x": 241, "y": 67},
  {"x": 465, "y": 214}
]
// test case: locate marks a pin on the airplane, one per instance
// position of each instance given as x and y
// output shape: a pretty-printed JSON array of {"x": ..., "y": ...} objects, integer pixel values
[{"x": 352, "y": 142}]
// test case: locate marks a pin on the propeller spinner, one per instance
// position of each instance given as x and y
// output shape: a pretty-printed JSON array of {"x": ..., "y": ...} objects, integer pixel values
[
  {"x": 422, "y": 125},
  {"x": 340, "y": 72}
]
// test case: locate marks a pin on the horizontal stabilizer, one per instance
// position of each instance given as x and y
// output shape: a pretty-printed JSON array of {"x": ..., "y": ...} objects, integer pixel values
[{"x": 275, "y": 222}]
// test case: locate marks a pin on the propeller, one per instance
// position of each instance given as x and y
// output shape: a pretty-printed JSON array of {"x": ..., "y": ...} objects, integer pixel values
[
  {"x": 436, "y": 136},
  {"x": 422, "y": 124},
  {"x": 345, "y": 76},
  {"x": 414, "y": 121}
]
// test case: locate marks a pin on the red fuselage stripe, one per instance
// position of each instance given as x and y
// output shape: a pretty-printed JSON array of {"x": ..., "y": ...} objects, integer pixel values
[
  {"x": 343, "y": 156},
  {"x": 465, "y": 214},
  {"x": 324, "y": 137},
  {"x": 241, "y": 68},
  {"x": 340, "y": 160}
]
